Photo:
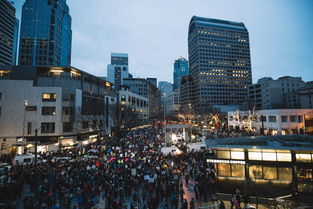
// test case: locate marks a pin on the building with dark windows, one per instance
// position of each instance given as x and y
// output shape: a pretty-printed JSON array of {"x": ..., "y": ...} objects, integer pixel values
[
  {"x": 275, "y": 161},
  {"x": 154, "y": 81},
  {"x": 61, "y": 102},
  {"x": 8, "y": 32},
  {"x": 118, "y": 69},
  {"x": 186, "y": 96},
  {"x": 219, "y": 61},
  {"x": 180, "y": 69},
  {"x": 46, "y": 34},
  {"x": 146, "y": 89}
]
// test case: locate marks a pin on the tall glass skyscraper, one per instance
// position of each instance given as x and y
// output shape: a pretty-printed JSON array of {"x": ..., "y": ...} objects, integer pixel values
[
  {"x": 46, "y": 35},
  {"x": 219, "y": 61},
  {"x": 7, "y": 33},
  {"x": 180, "y": 69}
]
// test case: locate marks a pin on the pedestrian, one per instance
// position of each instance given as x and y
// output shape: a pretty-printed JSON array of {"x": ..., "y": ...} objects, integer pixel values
[
  {"x": 192, "y": 204},
  {"x": 221, "y": 205},
  {"x": 232, "y": 201}
]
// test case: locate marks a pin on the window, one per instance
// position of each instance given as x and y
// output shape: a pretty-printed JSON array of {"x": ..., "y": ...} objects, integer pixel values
[
  {"x": 223, "y": 169},
  {"x": 238, "y": 171},
  {"x": 255, "y": 155},
  {"x": 285, "y": 157},
  {"x": 284, "y": 119},
  {"x": 272, "y": 119},
  {"x": 223, "y": 154},
  {"x": 49, "y": 97},
  {"x": 263, "y": 118},
  {"x": 48, "y": 111},
  {"x": 255, "y": 171},
  {"x": 285, "y": 174},
  {"x": 269, "y": 156},
  {"x": 72, "y": 97},
  {"x": 306, "y": 158},
  {"x": 292, "y": 118},
  {"x": 0, "y": 96},
  {"x": 238, "y": 155},
  {"x": 85, "y": 124},
  {"x": 270, "y": 173},
  {"x": 304, "y": 173},
  {"x": 29, "y": 128},
  {"x": 300, "y": 119},
  {"x": 47, "y": 128},
  {"x": 67, "y": 127}
]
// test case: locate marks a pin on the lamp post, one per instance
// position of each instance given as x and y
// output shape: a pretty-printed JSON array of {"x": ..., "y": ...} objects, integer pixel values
[
  {"x": 36, "y": 133},
  {"x": 23, "y": 131}
]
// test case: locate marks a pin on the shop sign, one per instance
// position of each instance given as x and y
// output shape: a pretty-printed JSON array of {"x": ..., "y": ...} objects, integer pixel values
[{"x": 226, "y": 161}]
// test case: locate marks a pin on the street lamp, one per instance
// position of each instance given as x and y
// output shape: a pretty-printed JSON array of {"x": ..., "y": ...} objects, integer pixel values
[{"x": 23, "y": 131}]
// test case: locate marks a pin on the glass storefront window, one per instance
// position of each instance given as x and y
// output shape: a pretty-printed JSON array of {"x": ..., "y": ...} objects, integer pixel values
[
  {"x": 223, "y": 154},
  {"x": 285, "y": 157},
  {"x": 285, "y": 174},
  {"x": 303, "y": 158},
  {"x": 223, "y": 169},
  {"x": 238, "y": 171},
  {"x": 269, "y": 156},
  {"x": 270, "y": 173},
  {"x": 255, "y": 155},
  {"x": 238, "y": 155},
  {"x": 304, "y": 173},
  {"x": 255, "y": 171}
]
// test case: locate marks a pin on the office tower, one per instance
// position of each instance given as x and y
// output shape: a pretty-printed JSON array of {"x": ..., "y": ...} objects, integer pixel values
[
  {"x": 154, "y": 81},
  {"x": 15, "y": 41},
  {"x": 180, "y": 69},
  {"x": 219, "y": 61},
  {"x": 165, "y": 87},
  {"x": 276, "y": 94},
  {"x": 7, "y": 31},
  {"x": 118, "y": 69},
  {"x": 46, "y": 35}
]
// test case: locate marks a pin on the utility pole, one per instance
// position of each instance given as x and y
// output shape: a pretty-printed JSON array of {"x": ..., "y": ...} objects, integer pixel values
[{"x": 36, "y": 133}]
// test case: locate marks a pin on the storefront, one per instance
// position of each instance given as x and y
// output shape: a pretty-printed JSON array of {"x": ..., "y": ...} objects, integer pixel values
[{"x": 280, "y": 160}]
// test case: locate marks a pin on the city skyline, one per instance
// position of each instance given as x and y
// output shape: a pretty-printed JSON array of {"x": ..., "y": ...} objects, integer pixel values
[{"x": 153, "y": 41}]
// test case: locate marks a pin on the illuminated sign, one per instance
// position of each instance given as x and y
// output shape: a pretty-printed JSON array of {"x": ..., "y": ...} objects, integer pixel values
[{"x": 226, "y": 161}]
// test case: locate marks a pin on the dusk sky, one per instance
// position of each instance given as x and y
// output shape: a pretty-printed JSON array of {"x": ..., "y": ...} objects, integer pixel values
[{"x": 154, "y": 33}]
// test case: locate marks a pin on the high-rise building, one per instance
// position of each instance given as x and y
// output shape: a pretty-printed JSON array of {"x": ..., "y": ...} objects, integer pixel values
[
  {"x": 118, "y": 69},
  {"x": 46, "y": 35},
  {"x": 15, "y": 41},
  {"x": 7, "y": 32},
  {"x": 219, "y": 61},
  {"x": 165, "y": 88},
  {"x": 154, "y": 81},
  {"x": 180, "y": 69}
]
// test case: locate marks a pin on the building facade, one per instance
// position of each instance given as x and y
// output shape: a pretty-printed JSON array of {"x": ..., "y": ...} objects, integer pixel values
[
  {"x": 219, "y": 61},
  {"x": 146, "y": 89},
  {"x": 306, "y": 95},
  {"x": 270, "y": 122},
  {"x": 118, "y": 69},
  {"x": 8, "y": 32},
  {"x": 58, "y": 101},
  {"x": 181, "y": 69},
  {"x": 186, "y": 95},
  {"x": 281, "y": 93},
  {"x": 46, "y": 34}
]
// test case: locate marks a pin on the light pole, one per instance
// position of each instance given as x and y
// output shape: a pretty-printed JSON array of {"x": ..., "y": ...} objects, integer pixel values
[
  {"x": 36, "y": 133},
  {"x": 23, "y": 131}
]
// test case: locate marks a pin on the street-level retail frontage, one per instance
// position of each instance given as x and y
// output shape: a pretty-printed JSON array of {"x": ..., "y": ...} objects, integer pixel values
[{"x": 276, "y": 159}]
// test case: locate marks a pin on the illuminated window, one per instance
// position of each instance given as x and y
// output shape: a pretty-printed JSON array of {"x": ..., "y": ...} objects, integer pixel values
[
  {"x": 304, "y": 173},
  {"x": 303, "y": 158},
  {"x": 238, "y": 171},
  {"x": 285, "y": 174},
  {"x": 286, "y": 157},
  {"x": 270, "y": 173},
  {"x": 269, "y": 156},
  {"x": 255, "y": 155},
  {"x": 238, "y": 155},
  {"x": 49, "y": 97},
  {"x": 223, "y": 169},
  {"x": 223, "y": 154},
  {"x": 255, "y": 171}
]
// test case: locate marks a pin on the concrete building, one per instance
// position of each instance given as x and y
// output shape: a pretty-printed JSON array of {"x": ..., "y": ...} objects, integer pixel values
[
  {"x": 219, "y": 62},
  {"x": 138, "y": 104},
  {"x": 154, "y": 81},
  {"x": 46, "y": 34},
  {"x": 281, "y": 93},
  {"x": 186, "y": 95},
  {"x": 306, "y": 95},
  {"x": 8, "y": 32},
  {"x": 272, "y": 121},
  {"x": 118, "y": 69},
  {"x": 146, "y": 89},
  {"x": 181, "y": 69},
  {"x": 58, "y": 101}
]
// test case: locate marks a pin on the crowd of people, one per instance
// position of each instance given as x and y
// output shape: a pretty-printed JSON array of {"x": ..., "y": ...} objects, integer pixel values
[{"x": 110, "y": 173}]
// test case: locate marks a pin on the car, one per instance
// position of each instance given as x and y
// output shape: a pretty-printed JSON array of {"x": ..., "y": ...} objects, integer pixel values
[{"x": 27, "y": 159}]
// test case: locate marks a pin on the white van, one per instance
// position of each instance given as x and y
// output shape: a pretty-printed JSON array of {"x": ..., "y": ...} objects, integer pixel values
[{"x": 27, "y": 159}]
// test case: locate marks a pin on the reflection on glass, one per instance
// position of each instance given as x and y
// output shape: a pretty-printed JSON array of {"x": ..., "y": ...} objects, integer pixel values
[
  {"x": 223, "y": 169},
  {"x": 285, "y": 157},
  {"x": 303, "y": 158},
  {"x": 270, "y": 173},
  {"x": 238, "y": 155},
  {"x": 285, "y": 174},
  {"x": 255, "y": 155},
  {"x": 304, "y": 173},
  {"x": 223, "y": 154},
  {"x": 255, "y": 171},
  {"x": 238, "y": 171},
  {"x": 269, "y": 156}
]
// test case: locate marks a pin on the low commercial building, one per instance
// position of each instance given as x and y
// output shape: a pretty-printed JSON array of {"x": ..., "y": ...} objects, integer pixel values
[
  {"x": 265, "y": 159},
  {"x": 57, "y": 101},
  {"x": 271, "y": 122}
]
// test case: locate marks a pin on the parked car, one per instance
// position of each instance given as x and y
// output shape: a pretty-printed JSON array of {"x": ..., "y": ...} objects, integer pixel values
[{"x": 27, "y": 159}]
